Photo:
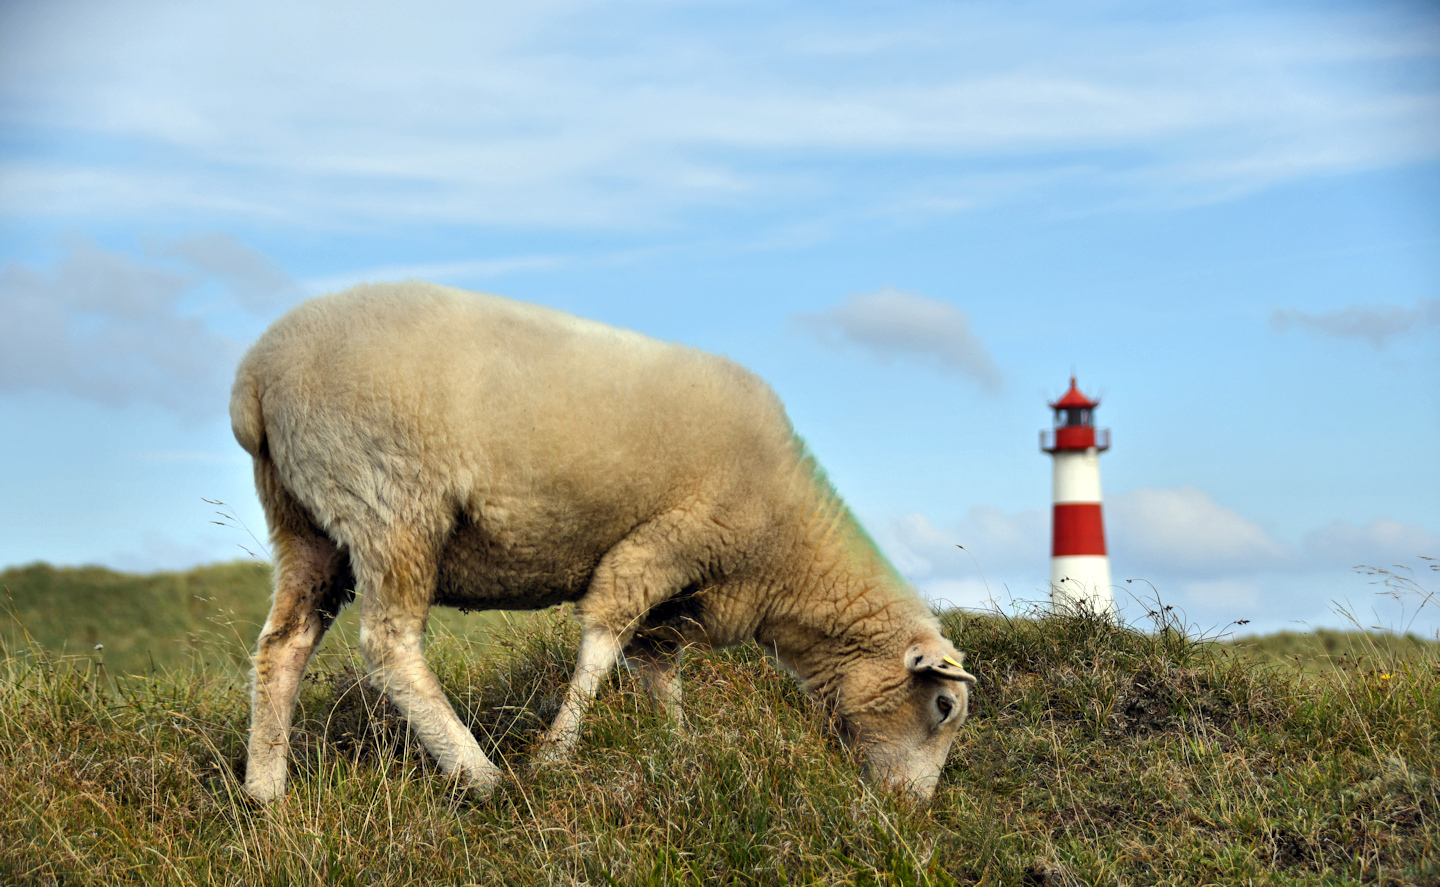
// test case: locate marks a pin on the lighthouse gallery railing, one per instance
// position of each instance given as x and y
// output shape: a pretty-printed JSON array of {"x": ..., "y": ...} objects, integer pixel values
[{"x": 1048, "y": 437}]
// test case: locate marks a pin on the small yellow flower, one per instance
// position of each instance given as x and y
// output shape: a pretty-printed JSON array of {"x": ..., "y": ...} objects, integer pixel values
[{"x": 1385, "y": 677}]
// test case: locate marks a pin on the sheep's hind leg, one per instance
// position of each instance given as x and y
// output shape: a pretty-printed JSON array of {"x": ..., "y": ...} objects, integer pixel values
[
  {"x": 312, "y": 583},
  {"x": 658, "y": 664},
  {"x": 599, "y": 651},
  {"x": 394, "y": 604}
]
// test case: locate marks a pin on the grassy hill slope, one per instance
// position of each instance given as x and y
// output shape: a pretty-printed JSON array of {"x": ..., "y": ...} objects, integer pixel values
[
  {"x": 1325, "y": 649},
  {"x": 158, "y": 620},
  {"x": 1096, "y": 754},
  {"x": 143, "y": 621}
]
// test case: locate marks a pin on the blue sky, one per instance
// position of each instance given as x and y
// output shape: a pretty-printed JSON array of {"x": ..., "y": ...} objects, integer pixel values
[{"x": 914, "y": 220}]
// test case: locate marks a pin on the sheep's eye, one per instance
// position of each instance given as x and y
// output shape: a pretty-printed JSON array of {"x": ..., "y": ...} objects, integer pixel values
[{"x": 946, "y": 705}]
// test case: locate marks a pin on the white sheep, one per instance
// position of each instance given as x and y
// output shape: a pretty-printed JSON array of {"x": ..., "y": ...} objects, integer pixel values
[{"x": 423, "y": 445}]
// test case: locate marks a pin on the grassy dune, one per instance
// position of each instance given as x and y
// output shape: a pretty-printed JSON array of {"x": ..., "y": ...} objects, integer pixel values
[
  {"x": 1096, "y": 754},
  {"x": 142, "y": 621},
  {"x": 1326, "y": 650},
  {"x": 208, "y": 616}
]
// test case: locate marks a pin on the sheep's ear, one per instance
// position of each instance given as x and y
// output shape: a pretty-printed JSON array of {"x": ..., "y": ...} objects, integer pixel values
[{"x": 938, "y": 659}]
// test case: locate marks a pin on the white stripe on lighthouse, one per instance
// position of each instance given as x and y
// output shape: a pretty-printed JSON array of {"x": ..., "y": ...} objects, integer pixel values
[
  {"x": 1077, "y": 476},
  {"x": 1082, "y": 580}
]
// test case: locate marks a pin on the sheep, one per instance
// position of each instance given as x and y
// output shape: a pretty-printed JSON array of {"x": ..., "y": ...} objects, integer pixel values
[{"x": 418, "y": 445}]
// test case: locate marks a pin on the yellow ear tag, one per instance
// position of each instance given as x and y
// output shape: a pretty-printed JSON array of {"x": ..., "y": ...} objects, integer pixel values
[{"x": 949, "y": 661}]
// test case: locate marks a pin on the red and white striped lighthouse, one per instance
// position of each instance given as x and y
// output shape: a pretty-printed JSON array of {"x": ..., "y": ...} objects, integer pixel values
[{"x": 1079, "y": 567}]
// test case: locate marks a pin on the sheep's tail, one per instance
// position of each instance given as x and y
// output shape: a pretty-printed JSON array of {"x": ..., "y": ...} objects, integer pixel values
[{"x": 246, "y": 419}]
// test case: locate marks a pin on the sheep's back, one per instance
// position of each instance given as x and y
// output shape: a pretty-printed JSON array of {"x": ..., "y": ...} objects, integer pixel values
[{"x": 527, "y": 421}]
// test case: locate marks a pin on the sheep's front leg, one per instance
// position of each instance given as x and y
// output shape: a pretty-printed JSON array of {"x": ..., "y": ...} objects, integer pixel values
[
  {"x": 393, "y": 608},
  {"x": 643, "y": 569},
  {"x": 311, "y": 584}
]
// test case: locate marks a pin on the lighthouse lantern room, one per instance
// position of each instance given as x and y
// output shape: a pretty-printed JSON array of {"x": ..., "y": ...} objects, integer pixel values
[{"x": 1079, "y": 565}]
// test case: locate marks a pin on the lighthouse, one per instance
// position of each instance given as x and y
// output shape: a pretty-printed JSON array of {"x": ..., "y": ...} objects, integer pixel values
[{"x": 1079, "y": 566}]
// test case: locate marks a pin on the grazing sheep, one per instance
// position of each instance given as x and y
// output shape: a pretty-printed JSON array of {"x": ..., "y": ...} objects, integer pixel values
[{"x": 423, "y": 445}]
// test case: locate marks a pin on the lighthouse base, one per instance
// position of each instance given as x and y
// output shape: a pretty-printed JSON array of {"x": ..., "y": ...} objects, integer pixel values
[{"x": 1081, "y": 582}]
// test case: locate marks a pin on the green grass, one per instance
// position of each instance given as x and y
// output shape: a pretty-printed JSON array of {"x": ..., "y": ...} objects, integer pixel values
[
  {"x": 1326, "y": 650},
  {"x": 213, "y": 614},
  {"x": 1096, "y": 754},
  {"x": 158, "y": 621},
  {"x": 142, "y": 621}
]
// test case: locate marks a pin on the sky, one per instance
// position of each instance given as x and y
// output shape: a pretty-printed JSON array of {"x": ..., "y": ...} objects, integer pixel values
[{"x": 916, "y": 221}]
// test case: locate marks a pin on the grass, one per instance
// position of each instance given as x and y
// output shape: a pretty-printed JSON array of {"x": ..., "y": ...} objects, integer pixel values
[
  {"x": 141, "y": 621},
  {"x": 1363, "y": 649},
  {"x": 1095, "y": 754},
  {"x": 208, "y": 616},
  {"x": 1326, "y": 650}
]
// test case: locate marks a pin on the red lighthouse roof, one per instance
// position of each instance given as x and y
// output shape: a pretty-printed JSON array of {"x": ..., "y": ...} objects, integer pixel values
[{"x": 1073, "y": 398}]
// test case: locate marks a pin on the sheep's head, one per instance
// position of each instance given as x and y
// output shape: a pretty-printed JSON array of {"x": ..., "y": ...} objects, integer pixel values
[{"x": 905, "y": 741}]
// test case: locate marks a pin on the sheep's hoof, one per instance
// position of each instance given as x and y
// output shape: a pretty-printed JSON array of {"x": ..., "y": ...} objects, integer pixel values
[
  {"x": 549, "y": 753},
  {"x": 264, "y": 791},
  {"x": 480, "y": 782}
]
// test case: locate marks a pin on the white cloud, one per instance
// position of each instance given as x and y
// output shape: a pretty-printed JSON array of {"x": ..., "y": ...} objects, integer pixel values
[
  {"x": 1179, "y": 548},
  {"x": 1380, "y": 543},
  {"x": 158, "y": 551},
  {"x": 257, "y": 283},
  {"x": 1376, "y": 324},
  {"x": 890, "y": 323},
  {"x": 1174, "y": 536},
  {"x": 1005, "y": 556},
  {"x": 103, "y": 326},
  {"x": 603, "y": 114},
  {"x": 1152, "y": 532},
  {"x": 972, "y": 594},
  {"x": 1182, "y": 531},
  {"x": 986, "y": 540},
  {"x": 1242, "y": 598}
]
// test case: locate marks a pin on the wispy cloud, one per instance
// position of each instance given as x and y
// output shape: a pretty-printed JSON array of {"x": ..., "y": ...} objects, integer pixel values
[
  {"x": 1378, "y": 544},
  {"x": 257, "y": 283},
  {"x": 107, "y": 327},
  {"x": 443, "y": 272},
  {"x": 606, "y": 115},
  {"x": 891, "y": 323},
  {"x": 996, "y": 541},
  {"x": 1376, "y": 324}
]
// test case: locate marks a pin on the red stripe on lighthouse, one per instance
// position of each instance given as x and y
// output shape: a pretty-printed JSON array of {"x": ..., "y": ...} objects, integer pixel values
[{"x": 1078, "y": 529}]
